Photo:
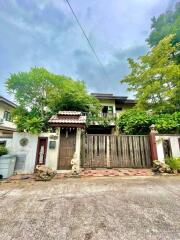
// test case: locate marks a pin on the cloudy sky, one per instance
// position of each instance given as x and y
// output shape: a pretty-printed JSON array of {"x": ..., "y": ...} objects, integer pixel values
[{"x": 44, "y": 33}]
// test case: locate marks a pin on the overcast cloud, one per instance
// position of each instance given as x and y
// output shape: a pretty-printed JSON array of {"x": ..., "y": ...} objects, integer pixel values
[{"x": 44, "y": 33}]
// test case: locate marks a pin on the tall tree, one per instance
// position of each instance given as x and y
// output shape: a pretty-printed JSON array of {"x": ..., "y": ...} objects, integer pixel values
[
  {"x": 166, "y": 24},
  {"x": 41, "y": 94},
  {"x": 155, "y": 78}
]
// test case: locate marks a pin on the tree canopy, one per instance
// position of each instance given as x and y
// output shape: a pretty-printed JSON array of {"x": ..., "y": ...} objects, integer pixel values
[
  {"x": 40, "y": 94},
  {"x": 155, "y": 78},
  {"x": 164, "y": 25}
]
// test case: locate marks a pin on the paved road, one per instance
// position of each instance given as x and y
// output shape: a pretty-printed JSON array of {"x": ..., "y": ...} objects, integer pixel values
[{"x": 91, "y": 209}]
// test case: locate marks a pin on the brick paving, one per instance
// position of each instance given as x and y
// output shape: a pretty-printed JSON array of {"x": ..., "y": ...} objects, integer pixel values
[
  {"x": 116, "y": 172},
  {"x": 93, "y": 173}
]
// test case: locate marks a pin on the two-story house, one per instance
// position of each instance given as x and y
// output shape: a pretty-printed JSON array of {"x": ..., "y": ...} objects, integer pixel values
[
  {"x": 112, "y": 107},
  {"x": 7, "y": 127}
]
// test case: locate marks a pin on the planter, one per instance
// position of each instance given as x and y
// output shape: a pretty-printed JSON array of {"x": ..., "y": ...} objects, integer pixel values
[{"x": 7, "y": 164}]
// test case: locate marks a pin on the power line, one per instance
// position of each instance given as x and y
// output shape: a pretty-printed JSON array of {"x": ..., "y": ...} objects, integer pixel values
[{"x": 86, "y": 37}]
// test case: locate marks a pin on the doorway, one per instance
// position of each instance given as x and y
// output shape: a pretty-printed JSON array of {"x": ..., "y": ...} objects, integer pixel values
[{"x": 41, "y": 150}]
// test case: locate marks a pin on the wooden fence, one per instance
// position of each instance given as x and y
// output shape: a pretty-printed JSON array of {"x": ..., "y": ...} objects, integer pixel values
[{"x": 115, "y": 151}]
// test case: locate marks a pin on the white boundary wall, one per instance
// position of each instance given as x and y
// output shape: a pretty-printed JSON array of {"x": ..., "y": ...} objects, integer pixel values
[
  {"x": 29, "y": 151},
  {"x": 174, "y": 145},
  {"x": 52, "y": 154}
]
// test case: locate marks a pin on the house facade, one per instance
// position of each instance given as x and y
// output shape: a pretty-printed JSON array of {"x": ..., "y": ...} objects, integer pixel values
[
  {"x": 112, "y": 107},
  {"x": 7, "y": 127}
]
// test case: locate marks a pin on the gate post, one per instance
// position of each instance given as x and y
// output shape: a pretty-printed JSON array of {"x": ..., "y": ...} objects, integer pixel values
[
  {"x": 153, "y": 147},
  {"x": 76, "y": 158}
]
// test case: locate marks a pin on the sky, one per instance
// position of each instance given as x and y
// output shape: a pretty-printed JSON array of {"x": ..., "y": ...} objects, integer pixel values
[{"x": 44, "y": 33}]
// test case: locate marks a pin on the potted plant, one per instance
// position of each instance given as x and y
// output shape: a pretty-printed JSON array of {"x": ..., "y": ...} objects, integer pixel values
[{"x": 7, "y": 162}]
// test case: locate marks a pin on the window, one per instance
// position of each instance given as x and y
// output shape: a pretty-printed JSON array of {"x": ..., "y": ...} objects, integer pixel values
[
  {"x": 3, "y": 143},
  {"x": 7, "y": 116},
  {"x": 110, "y": 109},
  {"x": 107, "y": 110}
]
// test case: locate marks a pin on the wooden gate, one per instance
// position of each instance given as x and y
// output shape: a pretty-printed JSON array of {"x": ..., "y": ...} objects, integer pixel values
[
  {"x": 67, "y": 148},
  {"x": 115, "y": 151}
]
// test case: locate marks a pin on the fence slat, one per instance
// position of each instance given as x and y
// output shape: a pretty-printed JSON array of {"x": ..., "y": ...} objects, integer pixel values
[{"x": 115, "y": 151}]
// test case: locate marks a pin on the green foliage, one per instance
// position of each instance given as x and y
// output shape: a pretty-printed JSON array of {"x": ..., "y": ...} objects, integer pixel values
[
  {"x": 166, "y": 24},
  {"x": 174, "y": 163},
  {"x": 3, "y": 150},
  {"x": 138, "y": 122},
  {"x": 135, "y": 122},
  {"x": 100, "y": 120},
  {"x": 167, "y": 123},
  {"x": 40, "y": 94},
  {"x": 155, "y": 78}
]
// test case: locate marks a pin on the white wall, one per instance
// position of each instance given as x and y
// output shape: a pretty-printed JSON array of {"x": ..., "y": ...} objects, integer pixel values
[
  {"x": 29, "y": 150},
  {"x": 174, "y": 145},
  {"x": 52, "y": 154}
]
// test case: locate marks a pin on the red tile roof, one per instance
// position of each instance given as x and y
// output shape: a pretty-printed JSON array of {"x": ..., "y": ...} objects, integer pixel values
[{"x": 68, "y": 117}]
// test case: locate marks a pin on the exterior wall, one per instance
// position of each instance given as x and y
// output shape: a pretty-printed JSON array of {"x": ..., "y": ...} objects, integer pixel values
[
  {"x": 106, "y": 102},
  {"x": 27, "y": 154},
  {"x": 174, "y": 145},
  {"x": 29, "y": 151},
  {"x": 52, "y": 154},
  {"x": 6, "y": 124}
]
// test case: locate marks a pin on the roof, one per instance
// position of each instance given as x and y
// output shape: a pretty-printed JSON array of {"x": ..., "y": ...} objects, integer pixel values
[
  {"x": 68, "y": 119},
  {"x": 107, "y": 96},
  {"x": 5, "y": 100},
  {"x": 71, "y": 113},
  {"x": 110, "y": 96}
]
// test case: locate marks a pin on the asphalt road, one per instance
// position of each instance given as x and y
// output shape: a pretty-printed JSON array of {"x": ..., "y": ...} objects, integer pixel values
[{"x": 91, "y": 209}]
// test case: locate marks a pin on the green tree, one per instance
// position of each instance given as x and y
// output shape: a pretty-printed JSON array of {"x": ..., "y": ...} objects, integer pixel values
[
  {"x": 155, "y": 78},
  {"x": 166, "y": 24},
  {"x": 40, "y": 94}
]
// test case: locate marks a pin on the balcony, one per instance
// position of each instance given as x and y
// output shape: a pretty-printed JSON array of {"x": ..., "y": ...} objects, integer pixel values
[{"x": 104, "y": 119}]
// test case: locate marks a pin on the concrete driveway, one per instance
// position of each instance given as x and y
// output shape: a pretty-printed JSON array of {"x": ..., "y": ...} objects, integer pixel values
[{"x": 91, "y": 208}]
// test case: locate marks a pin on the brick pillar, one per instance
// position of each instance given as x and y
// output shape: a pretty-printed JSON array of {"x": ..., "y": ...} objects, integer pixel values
[{"x": 153, "y": 147}]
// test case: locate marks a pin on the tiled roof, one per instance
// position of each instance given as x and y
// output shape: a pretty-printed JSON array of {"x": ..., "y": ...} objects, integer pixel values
[
  {"x": 68, "y": 117},
  {"x": 69, "y": 113}
]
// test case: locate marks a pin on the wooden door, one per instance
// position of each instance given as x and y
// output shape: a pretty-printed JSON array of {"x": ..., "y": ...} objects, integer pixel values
[
  {"x": 41, "y": 151},
  {"x": 67, "y": 148}
]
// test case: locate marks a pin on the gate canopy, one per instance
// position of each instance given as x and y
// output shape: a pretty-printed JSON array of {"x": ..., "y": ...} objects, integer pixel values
[{"x": 69, "y": 119}]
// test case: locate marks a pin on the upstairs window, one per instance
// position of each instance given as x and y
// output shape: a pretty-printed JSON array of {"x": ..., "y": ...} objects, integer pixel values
[
  {"x": 107, "y": 110},
  {"x": 7, "y": 116}
]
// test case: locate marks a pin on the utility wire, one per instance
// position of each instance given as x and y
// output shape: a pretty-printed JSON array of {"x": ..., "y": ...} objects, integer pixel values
[{"x": 86, "y": 37}]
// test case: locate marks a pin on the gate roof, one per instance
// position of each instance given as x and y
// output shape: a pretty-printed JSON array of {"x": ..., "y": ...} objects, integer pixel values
[{"x": 68, "y": 119}]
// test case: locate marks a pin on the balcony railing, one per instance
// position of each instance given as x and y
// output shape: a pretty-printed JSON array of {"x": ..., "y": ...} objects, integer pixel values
[{"x": 105, "y": 119}]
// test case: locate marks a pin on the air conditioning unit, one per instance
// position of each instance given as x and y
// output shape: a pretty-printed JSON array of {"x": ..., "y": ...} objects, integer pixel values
[{"x": 1, "y": 120}]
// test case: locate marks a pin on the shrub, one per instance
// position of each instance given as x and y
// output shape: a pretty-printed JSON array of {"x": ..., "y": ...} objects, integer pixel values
[
  {"x": 3, "y": 150},
  {"x": 134, "y": 121},
  {"x": 174, "y": 163}
]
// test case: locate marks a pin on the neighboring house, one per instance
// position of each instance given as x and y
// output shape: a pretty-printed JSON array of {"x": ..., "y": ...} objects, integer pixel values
[
  {"x": 112, "y": 107},
  {"x": 7, "y": 127}
]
